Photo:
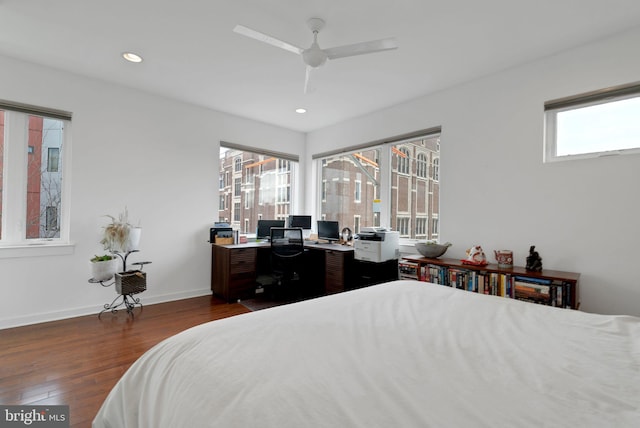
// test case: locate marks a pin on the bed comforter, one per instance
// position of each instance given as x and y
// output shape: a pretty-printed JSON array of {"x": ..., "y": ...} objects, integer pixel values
[{"x": 400, "y": 354}]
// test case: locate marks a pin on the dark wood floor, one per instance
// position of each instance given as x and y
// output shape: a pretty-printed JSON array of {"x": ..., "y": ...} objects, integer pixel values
[{"x": 77, "y": 361}]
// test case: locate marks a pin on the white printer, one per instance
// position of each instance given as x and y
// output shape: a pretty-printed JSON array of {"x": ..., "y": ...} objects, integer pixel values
[{"x": 376, "y": 244}]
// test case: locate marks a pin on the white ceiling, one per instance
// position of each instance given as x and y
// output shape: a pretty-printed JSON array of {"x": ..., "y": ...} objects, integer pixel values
[{"x": 191, "y": 53}]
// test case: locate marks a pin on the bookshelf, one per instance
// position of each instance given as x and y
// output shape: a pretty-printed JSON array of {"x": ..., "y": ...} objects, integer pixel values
[{"x": 548, "y": 287}]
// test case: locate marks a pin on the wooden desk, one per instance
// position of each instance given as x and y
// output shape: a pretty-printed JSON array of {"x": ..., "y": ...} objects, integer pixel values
[{"x": 235, "y": 268}]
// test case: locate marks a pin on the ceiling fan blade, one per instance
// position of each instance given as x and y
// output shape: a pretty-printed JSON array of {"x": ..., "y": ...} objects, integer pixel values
[
  {"x": 307, "y": 80},
  {"x": 361, "y": 48},
  {"x": 245, "y": 31}
]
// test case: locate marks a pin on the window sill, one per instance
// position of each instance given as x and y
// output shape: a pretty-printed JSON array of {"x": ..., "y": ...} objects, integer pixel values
[{"x": 36, "y": 250}]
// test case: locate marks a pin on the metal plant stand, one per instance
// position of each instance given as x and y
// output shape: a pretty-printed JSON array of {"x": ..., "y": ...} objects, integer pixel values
[{"x": 127, "y": 284}]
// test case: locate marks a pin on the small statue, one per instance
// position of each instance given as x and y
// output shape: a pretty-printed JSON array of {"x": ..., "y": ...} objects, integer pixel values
[
  {"x": 534, "y": 261},
  {"x": 475, "y": 256}
]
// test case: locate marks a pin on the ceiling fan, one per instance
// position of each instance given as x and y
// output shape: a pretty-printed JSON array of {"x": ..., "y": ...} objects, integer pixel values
[{"x": 313, "y": 56}]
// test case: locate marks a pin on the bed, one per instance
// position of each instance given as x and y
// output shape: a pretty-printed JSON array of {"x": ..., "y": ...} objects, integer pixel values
[{"x": 399, "y": 354}]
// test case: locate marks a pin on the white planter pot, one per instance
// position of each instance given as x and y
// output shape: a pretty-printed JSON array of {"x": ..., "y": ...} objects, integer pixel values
[
  {"x": 134, "y": 239},
  {"x": 104, "y": 271}
]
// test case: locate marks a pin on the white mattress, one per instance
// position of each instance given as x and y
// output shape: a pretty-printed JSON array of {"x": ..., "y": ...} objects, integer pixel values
[{"x": 401, "y": 354}]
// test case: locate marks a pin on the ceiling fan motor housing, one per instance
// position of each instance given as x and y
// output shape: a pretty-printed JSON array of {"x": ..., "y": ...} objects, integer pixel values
[{"x": 314, "y": 56}]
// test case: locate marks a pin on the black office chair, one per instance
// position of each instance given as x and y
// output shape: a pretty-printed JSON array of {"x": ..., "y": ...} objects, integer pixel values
[{"x": 287, "y": 252}]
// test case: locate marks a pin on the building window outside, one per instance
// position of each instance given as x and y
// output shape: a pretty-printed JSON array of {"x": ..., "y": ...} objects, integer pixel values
[
  {"x": 422, "y": 166},
  {"x": 413, "y": 197},
  {"x": 53, "y": 159},
  {"x": 403, "y": 160},
  {"x": 237, "y": 186},
  {"x": 261, "y": 189},
  {"x": 284, "y": 165},
  {"x": 402, "y": 226},
  {"x": 421, "y": 227},
  {"x": 356, "y": 224},
  {"x": 593, "y": 124},
  {"x": 436, "y": 169},
  {"x": 435, "y": 226},
  {"x": 236, "y": 211},
  {"x": 35, "y": 207},
  {"x": 358, "y": 191},
  {"x": 221, "y": 184},
  {"x": 222, "y": 203}
]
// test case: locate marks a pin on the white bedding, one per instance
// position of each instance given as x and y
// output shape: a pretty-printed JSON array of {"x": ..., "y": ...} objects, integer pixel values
[{"x": 401, "y": 354}]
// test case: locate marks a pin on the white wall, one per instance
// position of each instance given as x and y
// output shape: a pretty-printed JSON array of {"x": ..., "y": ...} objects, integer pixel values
[
  {"x": 495, "y": 191},
  {"x": 157, "y": 157}
]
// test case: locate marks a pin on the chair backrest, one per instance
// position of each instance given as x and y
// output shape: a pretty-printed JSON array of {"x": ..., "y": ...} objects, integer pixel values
[{"x": 286, "y": 242}]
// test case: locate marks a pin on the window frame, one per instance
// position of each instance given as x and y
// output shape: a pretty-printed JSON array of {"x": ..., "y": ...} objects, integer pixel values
[
  {"x": 13, "y": 242},
  {"x": 599, "y": 97},
  {"x": 388, "y": 149},
  {"x": 276, "y": 193}
]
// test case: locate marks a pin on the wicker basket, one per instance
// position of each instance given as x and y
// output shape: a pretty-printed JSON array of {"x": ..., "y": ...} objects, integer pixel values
[{"x": 131, "y": 282}]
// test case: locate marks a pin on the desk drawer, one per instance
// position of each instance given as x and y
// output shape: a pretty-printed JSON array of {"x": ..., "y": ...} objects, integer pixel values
[{"x": 242, "y": 261}]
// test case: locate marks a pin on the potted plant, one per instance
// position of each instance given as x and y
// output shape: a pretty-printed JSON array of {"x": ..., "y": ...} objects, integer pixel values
[
  {"x": 120, "y": 236},
  {"x": 103, "y": 267}
]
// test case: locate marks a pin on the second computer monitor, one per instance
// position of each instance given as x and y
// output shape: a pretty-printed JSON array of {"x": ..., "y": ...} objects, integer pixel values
[
  {"x": 328, "y": 230},
  {"x": 264, "y": 228},
  {"x": 301, "y": 221}
]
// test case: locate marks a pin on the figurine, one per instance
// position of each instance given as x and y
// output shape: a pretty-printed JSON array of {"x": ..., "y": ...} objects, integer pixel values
[
  {"x": 475, "y": 256},
  {"x": 534, "y": 261}
]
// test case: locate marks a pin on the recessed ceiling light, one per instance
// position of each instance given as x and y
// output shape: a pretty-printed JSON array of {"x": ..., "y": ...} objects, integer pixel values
[
  {"x": 131, "y": 57},
  {"x": 301, "y": 110}
]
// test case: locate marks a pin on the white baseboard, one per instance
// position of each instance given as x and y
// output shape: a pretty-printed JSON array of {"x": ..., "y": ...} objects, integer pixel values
[{"x": 94, "y": 309}]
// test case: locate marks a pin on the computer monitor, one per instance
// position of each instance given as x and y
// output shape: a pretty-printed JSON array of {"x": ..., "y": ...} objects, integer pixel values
[
  {"x": 301, "y": 221},
  {"x": 328, "y": 230},
  {"x": 263, "y": 231}
]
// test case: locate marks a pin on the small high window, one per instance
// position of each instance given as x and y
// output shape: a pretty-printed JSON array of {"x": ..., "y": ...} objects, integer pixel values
[{"x": 600, "y": 123}]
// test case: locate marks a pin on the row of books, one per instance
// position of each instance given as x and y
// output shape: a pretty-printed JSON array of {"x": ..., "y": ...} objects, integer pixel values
[{"x": 537, "y": 290}]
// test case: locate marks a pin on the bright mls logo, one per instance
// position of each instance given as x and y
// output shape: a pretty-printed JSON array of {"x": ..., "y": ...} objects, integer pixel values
[{"x": 34, "y": 416}]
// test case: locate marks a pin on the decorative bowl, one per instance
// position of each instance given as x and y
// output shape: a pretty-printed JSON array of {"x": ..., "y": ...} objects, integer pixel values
[{"x": 432, "y": 250}]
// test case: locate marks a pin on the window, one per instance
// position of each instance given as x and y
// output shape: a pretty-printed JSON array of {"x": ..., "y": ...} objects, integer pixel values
[
  {"x": 221, "y": 181},
  {"x": 52, "y": 159},
  {"x": 391, "y": 193},
  {"x": 593, "y": 124},
  {"x": 435, "y": 226},
  {"x": 422, "y": 166},
  {"x": 262, "y": 186},
  {"x": 32, "y": 195},
  {"x": 237, "y": 186},
  {"x": 236, "y": 211},
  {"x": 337, "y": 196},
  {"x": 402, "y": 226},
  {"x": 403, "y": 159},
  {"x": 421, "y": 227},
  {"x": 436, "y": 169},
  {"x": 356, "y": 224},
  {"x": 414, "y": 195}
]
